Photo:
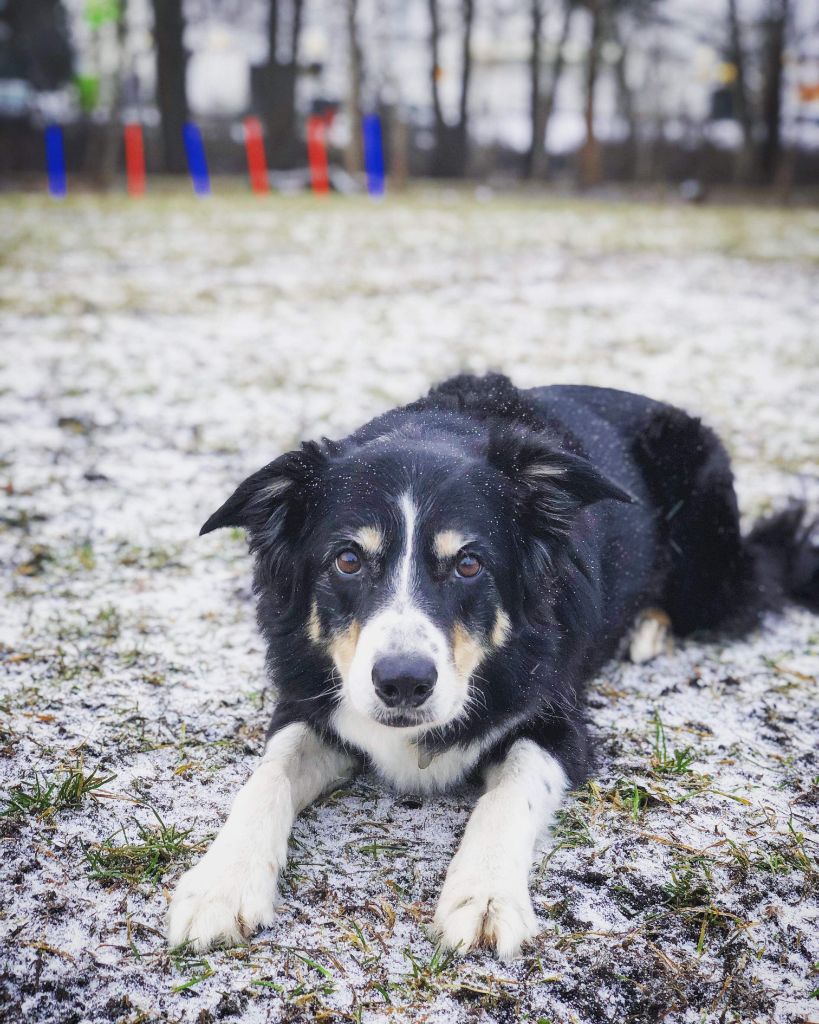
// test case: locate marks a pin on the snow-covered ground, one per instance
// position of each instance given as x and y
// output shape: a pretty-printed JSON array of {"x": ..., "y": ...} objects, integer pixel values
[{"x": 154, "y": 353}]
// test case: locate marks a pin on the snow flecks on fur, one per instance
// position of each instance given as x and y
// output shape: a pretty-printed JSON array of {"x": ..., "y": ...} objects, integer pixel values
[{"x": 154, "y": 354}]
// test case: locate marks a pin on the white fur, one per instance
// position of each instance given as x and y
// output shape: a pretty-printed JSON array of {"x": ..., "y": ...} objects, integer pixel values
[
  {"x": 485, "y": 899},
  {"x": 403, "y": 589},
  {"x": 401, "y": 627},
  {"x": 232, "y": 890},
  {"x": 394, "y": 753}
]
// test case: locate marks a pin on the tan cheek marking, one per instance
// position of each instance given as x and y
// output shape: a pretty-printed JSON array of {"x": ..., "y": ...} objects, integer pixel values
[
  {"x": 502, "y": 628},
  {"x": 313, "y": 624},
  {"x": 370, "y": 538},
  {"x": 467, "y": 651},
  {"x": 448, "y": 543},
  {"x": 342, "y": 647}
]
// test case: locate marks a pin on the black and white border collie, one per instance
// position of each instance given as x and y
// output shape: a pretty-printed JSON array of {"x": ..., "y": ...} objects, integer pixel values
[{"x": 435, "y": 591}]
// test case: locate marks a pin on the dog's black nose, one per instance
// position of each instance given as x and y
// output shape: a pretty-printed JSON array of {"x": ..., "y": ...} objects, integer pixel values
[{"x": 404, "y": 680}]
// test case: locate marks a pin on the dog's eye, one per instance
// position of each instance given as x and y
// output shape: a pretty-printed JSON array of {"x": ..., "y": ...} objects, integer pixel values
[
  {"x": 348, "y": 562},
  {"x": 468, "y": 566}
]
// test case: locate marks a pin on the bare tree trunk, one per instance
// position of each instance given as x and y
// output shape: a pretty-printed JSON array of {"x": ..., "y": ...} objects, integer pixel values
[
  {"x": 535, "y": 92},
  {"x": 626, "y": 104},
  {"x": 451, "y": 141},
  {"x": 435, "y": 66},
  {"x": 354, "y": 156},
  {"x": 466, "y": 76},
  {"x": 590, "y": 163},
  {"x": 171, "y": 95},
  {"x": 743, "y": 109},
  {"x": 279, "y": 104},
  {"x": 399, "y": 150},
  {"x": 776, "y": 28},
  {"x": 540, "y": 162},
  {"x": 111, "y": 139},
  {"x": 466, "y": 61}
]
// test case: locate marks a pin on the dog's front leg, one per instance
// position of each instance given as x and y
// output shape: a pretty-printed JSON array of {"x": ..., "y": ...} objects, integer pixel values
[
  {"x": 485, "y": 899},
  {"x": 231, "y": 891}
]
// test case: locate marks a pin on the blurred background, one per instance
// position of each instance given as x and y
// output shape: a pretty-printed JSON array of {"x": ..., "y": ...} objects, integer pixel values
[{"x": 691, "y": 93}]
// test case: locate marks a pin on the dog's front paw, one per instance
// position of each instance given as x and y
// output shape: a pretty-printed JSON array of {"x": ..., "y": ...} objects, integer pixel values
[
  {"x": 221, "y": 900},
  {"x": 476, "y": 911}
]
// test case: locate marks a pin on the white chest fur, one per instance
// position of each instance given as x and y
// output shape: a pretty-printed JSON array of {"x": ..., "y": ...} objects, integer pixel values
[{"x": 395, "y": 756}]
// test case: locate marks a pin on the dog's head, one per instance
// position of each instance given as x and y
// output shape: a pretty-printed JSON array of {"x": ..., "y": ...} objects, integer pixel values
[{"x": 411, "y": 559}]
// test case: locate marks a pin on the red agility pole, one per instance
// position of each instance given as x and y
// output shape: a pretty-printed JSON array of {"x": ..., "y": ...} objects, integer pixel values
[
  {"x": 134, "y": 159},
  {"x": 317, "y": 155},
  {"x": 256, "y": 163}
]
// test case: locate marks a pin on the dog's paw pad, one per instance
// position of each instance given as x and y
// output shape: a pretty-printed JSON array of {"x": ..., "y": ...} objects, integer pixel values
[
  {"x": 469, "y": 917},
  {"x": 220, "y": 905}
]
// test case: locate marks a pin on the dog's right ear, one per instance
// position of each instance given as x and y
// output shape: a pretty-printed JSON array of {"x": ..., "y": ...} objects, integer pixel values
[{"x": 281, "y": 488}]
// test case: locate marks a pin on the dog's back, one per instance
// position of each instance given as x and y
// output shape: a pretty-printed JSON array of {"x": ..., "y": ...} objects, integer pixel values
[{"x": 712, "y": 576}]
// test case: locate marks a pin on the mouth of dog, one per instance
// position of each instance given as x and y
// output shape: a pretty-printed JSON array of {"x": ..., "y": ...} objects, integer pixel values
[{"x": 402, "y": 719}]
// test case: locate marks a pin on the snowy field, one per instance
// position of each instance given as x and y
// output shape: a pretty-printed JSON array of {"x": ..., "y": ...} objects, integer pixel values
[{"x": 154, "y": 353}]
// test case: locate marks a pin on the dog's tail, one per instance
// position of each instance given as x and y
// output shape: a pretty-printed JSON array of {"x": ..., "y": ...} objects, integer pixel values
[{"x": 785, "y": 556}]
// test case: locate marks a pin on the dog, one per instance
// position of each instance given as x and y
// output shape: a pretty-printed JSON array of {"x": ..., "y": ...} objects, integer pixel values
[{"x": 436, "y": 590}]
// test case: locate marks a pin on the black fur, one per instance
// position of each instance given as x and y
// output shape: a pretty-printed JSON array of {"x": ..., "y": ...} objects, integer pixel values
[{"x": 590, "y": 505}]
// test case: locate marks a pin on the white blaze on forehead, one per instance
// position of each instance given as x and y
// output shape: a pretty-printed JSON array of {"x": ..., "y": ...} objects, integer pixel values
[
  {"x": 403, "y": 583},
  {"x": 448, "y": 543}
]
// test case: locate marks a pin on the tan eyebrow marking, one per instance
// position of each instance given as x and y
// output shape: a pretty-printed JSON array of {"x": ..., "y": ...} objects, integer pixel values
[
  {"x": 370, "y": 538},
  {"x": 448, "y": 543}
]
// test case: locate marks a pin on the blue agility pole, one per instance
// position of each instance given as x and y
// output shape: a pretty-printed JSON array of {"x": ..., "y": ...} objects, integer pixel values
[
  {"x": 373, "y": 154},
  {"x": 55, "y": 160},
  {"x": 197, "y": 162}
]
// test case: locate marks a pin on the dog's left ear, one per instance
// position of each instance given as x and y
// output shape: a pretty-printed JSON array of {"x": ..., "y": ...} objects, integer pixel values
[
  {"x": 278, "y": 491},
  {"x": 554, "y": 485}
]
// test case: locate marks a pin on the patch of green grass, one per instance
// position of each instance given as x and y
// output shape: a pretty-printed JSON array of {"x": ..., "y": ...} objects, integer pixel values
[
  {"x": 632, "y": 797},
  {"x": 154, "y": 558},
  {"x": 423, "y": 972},
  {"x": 781, "y": 854},
  {"x": 84, "y": 555},
  {"x": 39, "y": 558},
  {"x": 571, "y": 831},
  {"x": 110, "y": 622},
  {"x": 325, "y": 972},
  {"x": 690, "y": 885},
  {"x": 739, "y": 857},
  {"x": 44, "y": 794},
  {"x": 377, "y": 847},
  {"x": 678, "y": 762},
  {"x": 789, "y": 854},
  {"x": 144, "y": 860},
  {"x": 187, "y": 962},
  {"x": 305, "y": 991},
  {"x": 814, "y": 993},
  {"x": 690, "y": 892}
]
